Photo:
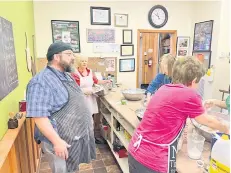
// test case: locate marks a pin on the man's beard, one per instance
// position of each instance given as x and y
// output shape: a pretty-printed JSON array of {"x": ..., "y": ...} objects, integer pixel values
[{"x": 67, "y": 67}]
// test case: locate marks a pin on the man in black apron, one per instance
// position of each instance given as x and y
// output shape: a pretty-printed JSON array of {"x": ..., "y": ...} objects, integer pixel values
[{"x": 64, "y": 125}]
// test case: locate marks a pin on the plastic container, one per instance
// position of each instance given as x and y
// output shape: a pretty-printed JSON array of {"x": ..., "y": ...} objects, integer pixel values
[
  {"x": 220, "y": 158},
  {"x": 195, "y": 146}
]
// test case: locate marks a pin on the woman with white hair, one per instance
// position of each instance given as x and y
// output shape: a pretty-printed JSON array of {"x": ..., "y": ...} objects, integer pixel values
[{"x": 85, "y": 79}]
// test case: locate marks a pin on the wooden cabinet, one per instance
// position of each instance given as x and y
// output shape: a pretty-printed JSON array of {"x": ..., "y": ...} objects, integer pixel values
[{"x": 18, "y": 151}]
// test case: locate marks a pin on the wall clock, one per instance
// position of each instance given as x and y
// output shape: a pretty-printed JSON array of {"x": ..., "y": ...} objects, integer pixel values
[{"x": 158, "y": 16}]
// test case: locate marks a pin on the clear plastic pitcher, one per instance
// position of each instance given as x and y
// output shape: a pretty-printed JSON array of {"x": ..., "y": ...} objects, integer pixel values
[{"x": 195, "y": 145}]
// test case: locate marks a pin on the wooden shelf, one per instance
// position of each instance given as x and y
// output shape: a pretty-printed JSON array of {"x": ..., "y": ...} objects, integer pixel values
[
  {"x": 107, "y": 117},
  {"x": 123, "y": 162},
  {"x": 121, "y": 136},
  {"x": 126, "y": 125}
]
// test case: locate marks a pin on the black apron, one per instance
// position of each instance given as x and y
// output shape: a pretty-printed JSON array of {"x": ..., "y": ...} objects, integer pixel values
[{"x": 75, "y": 126}]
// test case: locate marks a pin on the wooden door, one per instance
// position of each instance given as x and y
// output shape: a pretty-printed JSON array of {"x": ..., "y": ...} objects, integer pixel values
[
  {"x": 149, "y": 56},
  {"x": 149, "y": 48}
]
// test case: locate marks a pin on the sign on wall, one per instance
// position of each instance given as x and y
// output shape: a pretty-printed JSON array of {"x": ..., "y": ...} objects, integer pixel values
[
  {"x": 100, "y": 35},
  {"x": 8, "y": 65}
]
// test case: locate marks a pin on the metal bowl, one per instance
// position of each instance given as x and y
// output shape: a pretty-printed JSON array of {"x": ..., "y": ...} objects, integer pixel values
[
  {"x": 99, "y": 90},
  {"x": 207, "y": 132},
  {"x": 140, "y": 113},
  {"x": 133, "y": 94}
]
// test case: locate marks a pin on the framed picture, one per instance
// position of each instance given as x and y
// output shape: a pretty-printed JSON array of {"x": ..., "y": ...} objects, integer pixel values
[
  {"x": 100, "y": 16},
  {"x": 67, "y": 32},
  {"x": 127, "y": 65},
  {"x": 126, "y": 50},
  {"x": 100, "y": 35},
  {"x": 121, "y": 20},
  {"x": 127, "y": 36},
  {"x": 204, "y": 57},
  {"x": 183, "y": 46},
  {"x": 203, "y": 36}
]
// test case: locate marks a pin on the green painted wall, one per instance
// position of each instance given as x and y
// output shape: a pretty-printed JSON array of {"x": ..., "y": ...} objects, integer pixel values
[{"x": 22, "y": 17}]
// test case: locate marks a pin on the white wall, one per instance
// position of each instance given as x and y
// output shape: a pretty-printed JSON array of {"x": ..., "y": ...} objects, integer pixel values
[
  {"x": 180, "y": 16},
  {"x": 219, "y": 12},
  {"x": 222, "y": 68},
  {"x": 204, "y": 11}
]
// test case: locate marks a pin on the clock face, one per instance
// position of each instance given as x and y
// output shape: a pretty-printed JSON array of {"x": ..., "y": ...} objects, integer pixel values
[{"x": 158, "y": 16}]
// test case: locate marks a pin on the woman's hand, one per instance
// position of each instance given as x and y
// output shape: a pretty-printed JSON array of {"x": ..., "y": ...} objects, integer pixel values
[
  {"x": 210, "y": 103},
  {"x": 107, "y": 81},
  {"x": 213, "y": 102},
  {"x": 87, "y": 91},
  {"x": 104, "y": 81}
]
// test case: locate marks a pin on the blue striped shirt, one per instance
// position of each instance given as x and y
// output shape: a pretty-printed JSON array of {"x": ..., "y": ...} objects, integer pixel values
[{"x": 45, "y": 95}]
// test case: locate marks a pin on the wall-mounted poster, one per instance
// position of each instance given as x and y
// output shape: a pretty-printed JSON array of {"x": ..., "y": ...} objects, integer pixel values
[
  {"x": 67, "y": 32},
  {"x": 100, "y": 35},
  {"x": 204, "y": 57},
  {"x": 203, "y": 36}
]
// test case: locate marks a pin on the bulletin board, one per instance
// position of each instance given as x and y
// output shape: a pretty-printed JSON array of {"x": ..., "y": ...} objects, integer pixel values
[{"x": 106, "y": 65}]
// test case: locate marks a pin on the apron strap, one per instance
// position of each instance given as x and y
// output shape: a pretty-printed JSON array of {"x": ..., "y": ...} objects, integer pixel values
[{"x": 140, "y": 139}]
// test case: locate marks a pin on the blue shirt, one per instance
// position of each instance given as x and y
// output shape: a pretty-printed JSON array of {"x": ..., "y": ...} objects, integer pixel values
[
  {"x": 160, "y": 79},
  {"x": 46, "y": 94}
]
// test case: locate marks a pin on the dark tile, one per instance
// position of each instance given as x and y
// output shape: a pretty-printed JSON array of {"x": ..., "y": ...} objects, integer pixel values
[
  {"x": 102, "y": 146},
  {"x": 97, "y": 151},
  {"x": 86, "y": 171},
  {"x": 104, "y": 150},
  {"x": 45, "y": 171},
  {"x": 97, "y": 164},
  {"x": 113, "y": 169},
  {"x": 109, "y": 161},
  {"x": 100, "y": 170},
  {"x": 98, "y": 157},
  {"x": 85, "y": 166},
  {"x": 107, "y": 155},
  {"x": 44, "y": 165},
  {"x": 44, "y": 159}
]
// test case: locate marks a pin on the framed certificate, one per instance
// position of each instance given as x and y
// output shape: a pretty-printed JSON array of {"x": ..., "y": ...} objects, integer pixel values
[
  {"x": 127, "y": 36},
  {"x": 100, "y": 16},
  {"x": 121, "y": 20},
  {"x": 126, "y": 50}
]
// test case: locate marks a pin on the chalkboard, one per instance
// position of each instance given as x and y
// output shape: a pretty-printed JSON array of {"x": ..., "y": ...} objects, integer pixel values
[{"x": 8, "y": 65}]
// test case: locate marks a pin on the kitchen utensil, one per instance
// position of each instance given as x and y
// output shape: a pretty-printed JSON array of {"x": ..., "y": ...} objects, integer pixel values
[
  {"x": 99, "y": 90},
  {"x": 133, "y": 94},
  {"x": 195, "y": 145},
  {"x": 140, "y": 113}
]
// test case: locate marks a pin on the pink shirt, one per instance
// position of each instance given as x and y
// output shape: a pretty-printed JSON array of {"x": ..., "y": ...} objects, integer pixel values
[{"x": 164, "y": 118}]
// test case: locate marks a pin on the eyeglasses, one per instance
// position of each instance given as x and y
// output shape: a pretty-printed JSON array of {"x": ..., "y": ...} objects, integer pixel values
[{"x": 68, "y": 54}]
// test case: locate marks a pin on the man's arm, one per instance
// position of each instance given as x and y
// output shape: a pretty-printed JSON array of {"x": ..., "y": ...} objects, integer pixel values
[
  {"x": 45, "y": 127},
  {"x": 39, "y": 106}
]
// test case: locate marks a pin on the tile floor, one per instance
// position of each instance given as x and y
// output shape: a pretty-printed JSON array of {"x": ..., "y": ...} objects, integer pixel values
[{"x": 104, "y": 163}]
